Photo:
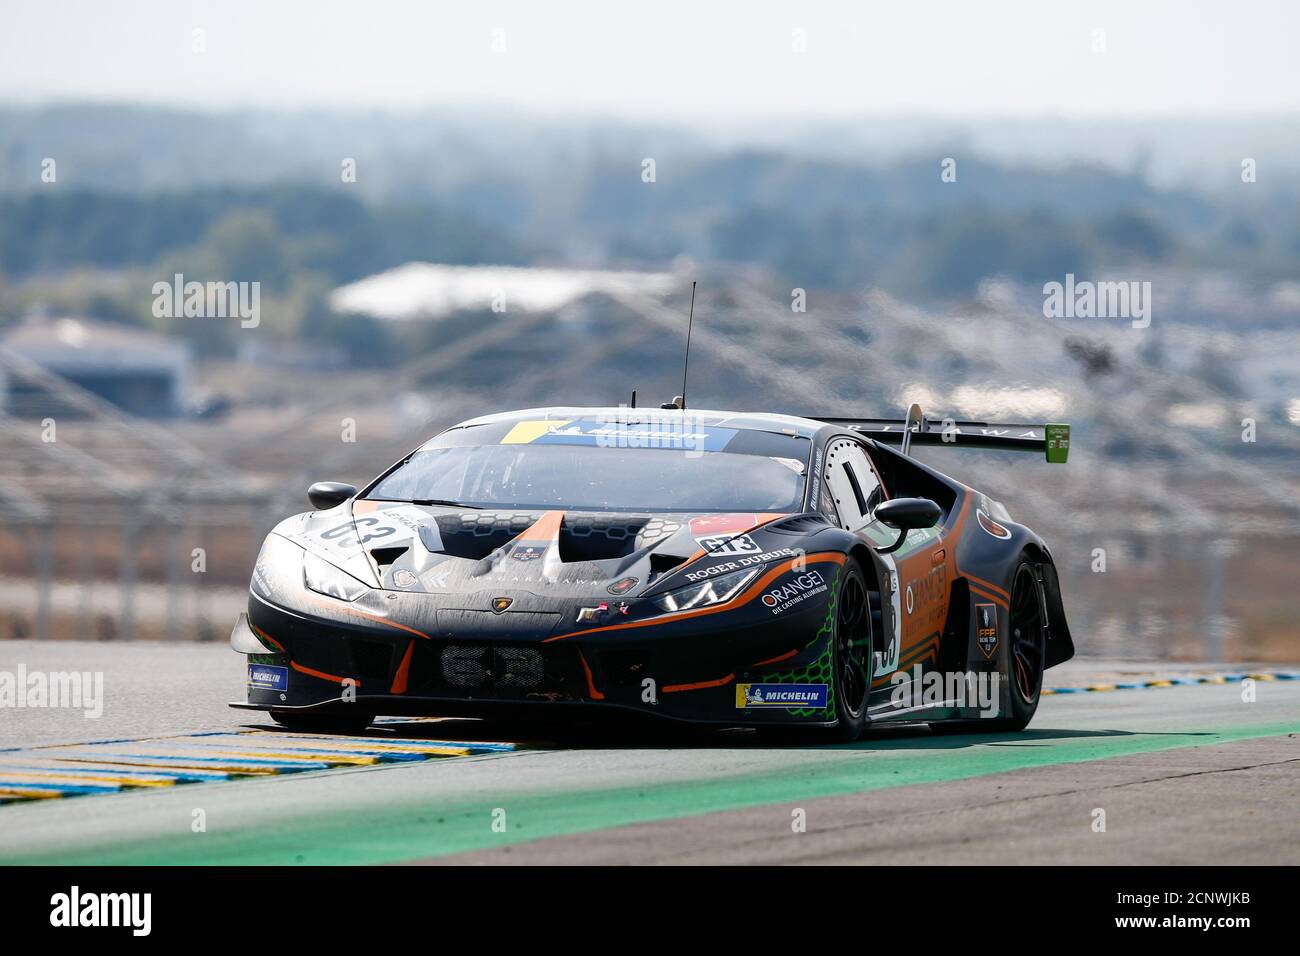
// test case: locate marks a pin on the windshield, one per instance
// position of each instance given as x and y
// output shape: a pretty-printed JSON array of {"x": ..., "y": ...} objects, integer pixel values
[{"x": 591, "y": 478}]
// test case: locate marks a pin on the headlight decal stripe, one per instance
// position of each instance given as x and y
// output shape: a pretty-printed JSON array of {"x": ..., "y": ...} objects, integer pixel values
[
  {"x": 821, "y": 557},
  {"x": 347, "y": 608}
]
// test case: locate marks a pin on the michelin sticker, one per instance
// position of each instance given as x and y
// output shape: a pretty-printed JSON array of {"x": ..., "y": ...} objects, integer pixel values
[
  {"x": 268, "y": 676},
  {"x": 811, "y": 696}
]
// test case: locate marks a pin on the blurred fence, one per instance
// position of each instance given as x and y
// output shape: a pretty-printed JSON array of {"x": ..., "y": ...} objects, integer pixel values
[{"x": 1172, "y": 540}]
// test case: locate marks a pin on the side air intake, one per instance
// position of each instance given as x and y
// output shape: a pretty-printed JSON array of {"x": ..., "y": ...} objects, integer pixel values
[{"x": 800, "y": 524}]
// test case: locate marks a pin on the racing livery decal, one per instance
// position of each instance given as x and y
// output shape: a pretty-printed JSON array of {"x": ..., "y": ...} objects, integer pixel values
[
  {"x": 268, "y": 676},
  {"x": 812, "y": 696},
  {"x": 794, "y": 591},
  {"x": 986, "y": 629}
]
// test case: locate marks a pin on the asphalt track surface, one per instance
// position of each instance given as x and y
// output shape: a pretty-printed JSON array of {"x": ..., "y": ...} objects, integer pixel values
[{"x": 1184, "y": 774}]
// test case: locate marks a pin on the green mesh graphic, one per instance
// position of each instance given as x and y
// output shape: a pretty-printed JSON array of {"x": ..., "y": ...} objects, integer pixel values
[{"x": 820, "y": 670}]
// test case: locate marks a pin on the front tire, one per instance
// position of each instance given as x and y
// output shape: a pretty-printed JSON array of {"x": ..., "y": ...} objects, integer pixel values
[
  {"x": 852, "y": 660},
  {"x": 853, "y": 654}
]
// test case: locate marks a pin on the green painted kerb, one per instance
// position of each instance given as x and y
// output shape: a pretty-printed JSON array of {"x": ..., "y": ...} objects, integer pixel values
[{"x": 395, "y": 833}]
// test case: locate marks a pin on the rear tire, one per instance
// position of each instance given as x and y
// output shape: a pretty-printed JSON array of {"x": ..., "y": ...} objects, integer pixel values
[
  {"x": 1027, "y": 649},
  {"x": 323, "y": 723}
]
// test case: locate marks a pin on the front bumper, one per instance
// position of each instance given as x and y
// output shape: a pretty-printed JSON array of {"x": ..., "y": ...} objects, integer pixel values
[{"x": 452, "y": 661}]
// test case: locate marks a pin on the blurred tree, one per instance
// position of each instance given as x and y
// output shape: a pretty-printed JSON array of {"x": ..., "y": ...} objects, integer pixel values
[
  {"x": 1132, "y": 232},
  {"x": 247, "y": 246}
]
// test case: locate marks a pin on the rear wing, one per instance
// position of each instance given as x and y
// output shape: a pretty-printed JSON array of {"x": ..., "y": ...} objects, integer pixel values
[{"x": 1053, "y": 439}]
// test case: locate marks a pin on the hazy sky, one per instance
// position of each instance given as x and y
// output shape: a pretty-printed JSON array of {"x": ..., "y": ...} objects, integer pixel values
[{"x": 664, "y": 59}]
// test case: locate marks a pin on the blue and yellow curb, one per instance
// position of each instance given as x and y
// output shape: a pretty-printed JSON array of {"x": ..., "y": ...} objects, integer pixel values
[
  {"x": 1173, "y": 682},
  {"x": 120, "y": 765}
]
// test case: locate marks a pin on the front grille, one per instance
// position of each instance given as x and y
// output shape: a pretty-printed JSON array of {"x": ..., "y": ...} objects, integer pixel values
[
  {"x": 483, "y": 666},
  {"x": 517, "y": 666},
  {"x": 465, "y": 666}
]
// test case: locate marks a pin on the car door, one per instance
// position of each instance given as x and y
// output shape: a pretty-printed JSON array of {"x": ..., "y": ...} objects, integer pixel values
[{"x": 856, "y": 490}]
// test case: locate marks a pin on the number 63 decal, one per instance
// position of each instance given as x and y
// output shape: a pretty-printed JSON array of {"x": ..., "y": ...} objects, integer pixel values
[{"x": 368, "y": 521}]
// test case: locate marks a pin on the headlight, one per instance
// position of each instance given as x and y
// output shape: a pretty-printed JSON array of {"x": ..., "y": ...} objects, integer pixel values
[
  {"x": 702, "y": 594},
  {"x": 323, "y": 578}
]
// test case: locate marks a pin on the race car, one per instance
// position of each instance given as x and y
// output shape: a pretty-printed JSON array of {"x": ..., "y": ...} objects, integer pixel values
[{"x": 795, "y": 575}]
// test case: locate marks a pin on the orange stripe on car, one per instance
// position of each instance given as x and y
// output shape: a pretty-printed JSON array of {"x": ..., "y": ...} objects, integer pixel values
[
  {"x": 267, "y": 637},
  {"x": 341, "y": 606},
  {"x": 985, "y": 585},
  {"x": 312, "y": 672},
  {"x": 542, "y": 531},
  {"x": 918, "y": 651},
  {"x": 403, "y": 671},
  {"x": 748, "y": 595},
  {"x": 701, "y": 685},
  {"x": 980, "y": 593},
  {"x": 776, "y": 660},
  {"x": 591, "y": 684}
]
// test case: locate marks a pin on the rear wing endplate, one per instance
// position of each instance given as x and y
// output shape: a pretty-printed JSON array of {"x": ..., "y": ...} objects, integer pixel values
[{"x": 1052, "y": 439}]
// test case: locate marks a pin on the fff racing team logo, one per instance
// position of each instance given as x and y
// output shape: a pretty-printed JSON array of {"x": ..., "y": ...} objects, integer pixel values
[
  {"x": 810, "y": 696},
  {"x": 986, "y": 629}
]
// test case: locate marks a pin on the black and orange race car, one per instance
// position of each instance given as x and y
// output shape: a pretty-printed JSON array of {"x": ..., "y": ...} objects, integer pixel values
[{"x": 715, "y": 567}]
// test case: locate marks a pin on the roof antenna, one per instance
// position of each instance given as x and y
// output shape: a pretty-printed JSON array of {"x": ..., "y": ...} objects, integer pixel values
[
  {"x": 633, "y": 398},
  {"x": 680, "y": 401}
]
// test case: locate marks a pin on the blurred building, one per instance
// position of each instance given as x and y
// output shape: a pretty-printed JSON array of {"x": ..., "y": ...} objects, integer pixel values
[
  {"x": 425, "y": 290},
  {"x": 141, "y": 372}
]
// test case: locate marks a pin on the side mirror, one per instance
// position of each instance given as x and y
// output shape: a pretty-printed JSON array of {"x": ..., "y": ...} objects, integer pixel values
[
  {"x": 329, "y": 494},
  {"x": 908, "y": 514}
]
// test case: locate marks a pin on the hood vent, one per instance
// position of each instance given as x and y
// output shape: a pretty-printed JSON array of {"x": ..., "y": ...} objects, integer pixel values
[
  {"x": 661, "y": 564},
  {"x": 477, "y": 534},
  {"x": 385, "y": 558},
  {"x": 601, "y": 537}
]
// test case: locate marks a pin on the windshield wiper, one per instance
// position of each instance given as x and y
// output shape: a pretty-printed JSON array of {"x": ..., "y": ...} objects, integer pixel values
[{"x": 449, "y": 504}]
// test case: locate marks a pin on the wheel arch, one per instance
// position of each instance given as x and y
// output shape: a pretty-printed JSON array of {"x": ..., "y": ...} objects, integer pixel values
[
  {"x": 1060, "y": 643},
  {"x": 984, "y": 557}
]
